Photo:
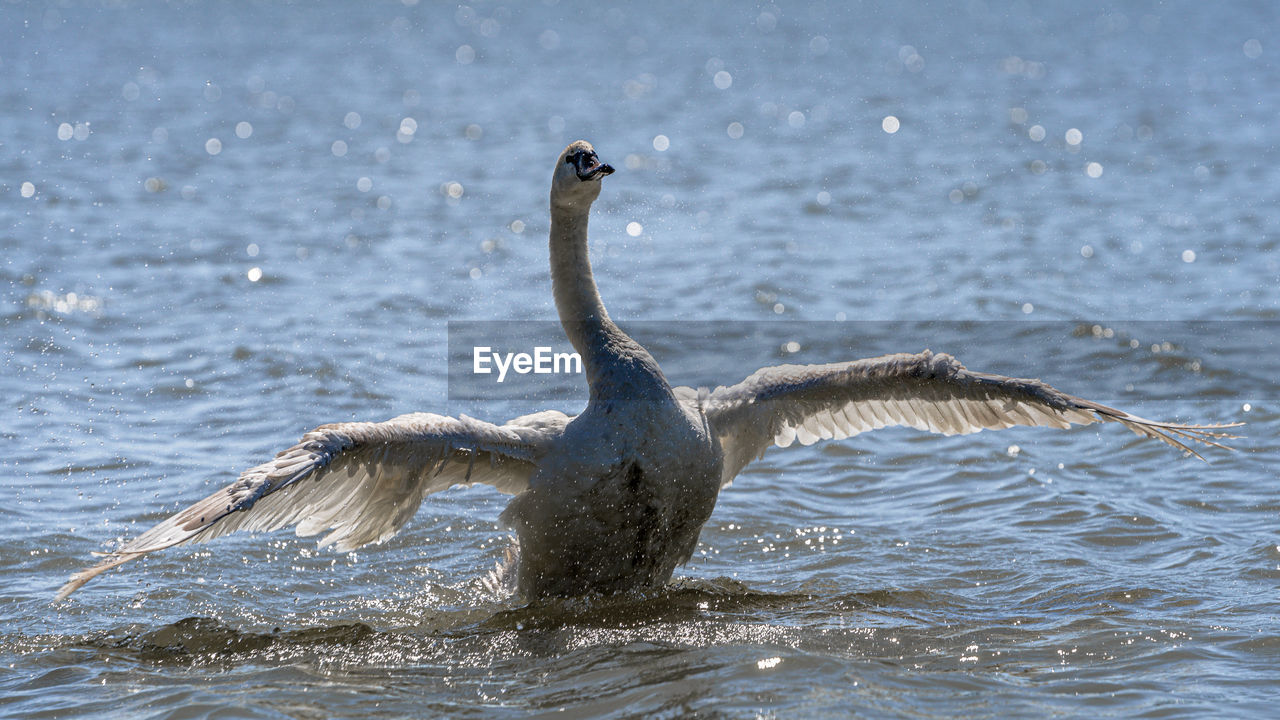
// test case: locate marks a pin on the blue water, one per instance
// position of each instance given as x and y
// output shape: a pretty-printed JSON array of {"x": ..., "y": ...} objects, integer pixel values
[{"x": 222, "y": 225}]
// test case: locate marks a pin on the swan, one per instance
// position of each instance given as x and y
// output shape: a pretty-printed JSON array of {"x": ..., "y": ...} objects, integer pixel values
[{"x": 613, "y": 499}]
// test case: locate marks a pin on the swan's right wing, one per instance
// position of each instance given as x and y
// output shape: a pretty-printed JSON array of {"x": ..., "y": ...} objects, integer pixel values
[
  {"x": 360, "y": 481},
  {"x": 778, "y": 405}
]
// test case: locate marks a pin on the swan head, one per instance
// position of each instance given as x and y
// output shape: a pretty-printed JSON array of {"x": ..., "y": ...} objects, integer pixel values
[{"x": 576, "y": 181}]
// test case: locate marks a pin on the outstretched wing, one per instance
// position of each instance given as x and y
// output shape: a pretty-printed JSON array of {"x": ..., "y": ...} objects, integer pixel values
[
  {"x": 779, "y": 405},
  {"x": 360, "y": 481}
]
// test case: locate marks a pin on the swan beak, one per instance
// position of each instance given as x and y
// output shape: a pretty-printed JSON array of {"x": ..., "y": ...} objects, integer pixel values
[{"x": 589, "y": 167}]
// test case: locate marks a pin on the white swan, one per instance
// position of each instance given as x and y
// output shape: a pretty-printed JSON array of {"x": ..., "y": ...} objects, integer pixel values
[{"x": 612, "y": 499}]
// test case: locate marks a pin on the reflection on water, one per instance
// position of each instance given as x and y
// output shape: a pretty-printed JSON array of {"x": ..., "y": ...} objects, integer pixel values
[{"x": 262, "y": 220}]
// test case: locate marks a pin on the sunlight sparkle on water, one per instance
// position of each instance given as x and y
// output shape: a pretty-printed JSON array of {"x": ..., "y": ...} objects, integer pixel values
[
  {"x": 408, "y": 127},
  {"x": 634, "y": 229},
  {"x": 890, "y": 124},
  {"x": 722, "y": 80},
  {"x": 735, "y": 130},
  {"x": 661, "y": 143}
]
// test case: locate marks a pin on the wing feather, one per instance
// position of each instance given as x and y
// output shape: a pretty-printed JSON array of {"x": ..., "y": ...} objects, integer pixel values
[
  {"x": 933, "y": 392},
  {"x": 359, "y": 481}
]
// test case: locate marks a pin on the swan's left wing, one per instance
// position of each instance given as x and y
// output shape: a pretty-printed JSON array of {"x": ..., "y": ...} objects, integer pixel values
[
  {"x": 361, "y": 481},
  {"x": 778, "y": 405}
]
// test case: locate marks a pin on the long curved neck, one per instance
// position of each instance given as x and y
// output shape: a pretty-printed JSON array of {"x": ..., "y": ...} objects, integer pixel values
[
  {"x": 582, "y": 314},
  {"x": 603, "y": 346}
]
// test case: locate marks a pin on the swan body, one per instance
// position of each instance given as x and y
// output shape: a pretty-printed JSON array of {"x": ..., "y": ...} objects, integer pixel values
[{"x": 613, "y": 499}]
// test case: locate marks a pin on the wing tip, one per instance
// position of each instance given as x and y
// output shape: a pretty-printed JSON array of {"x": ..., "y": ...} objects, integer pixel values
[{"x": 79, "y": 579}]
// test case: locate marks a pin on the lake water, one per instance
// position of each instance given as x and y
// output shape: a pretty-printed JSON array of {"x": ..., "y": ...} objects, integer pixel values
[{"x": 222, "y": 225}]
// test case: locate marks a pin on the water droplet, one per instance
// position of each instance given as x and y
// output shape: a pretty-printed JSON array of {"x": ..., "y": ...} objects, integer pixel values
[
  {"x": 722, "y": 80},
  {"x": 1028, "y": 308},
  {"x": 1093, "y": 170},
  {"x": 213, "y": 146},
  {"x": 634, "y": 229},
  {"x": 1074, "y": 137},
  {"x": 243, "y": 130},
  {"x": 1188, "y": 256},
  {"x": 351, "y": 120},
  {"x": 27, "y": 190},
  {"x": 1252, "y": 48},
  {"x": 465, "y": 55},
  {"x": 364, "y": 184},
  {"x": 1036, "y": 133},
  {"x": 735, "y": 130},
  {"x": 661, "y": 143},
  {"x": 795, "y": 119},
  {"x": 338, "y": 148},
  {"x": 890, "y": 124}
]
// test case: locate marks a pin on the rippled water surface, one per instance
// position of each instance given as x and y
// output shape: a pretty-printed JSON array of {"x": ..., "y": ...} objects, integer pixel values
[{"x": 222, "y": 225}]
